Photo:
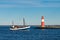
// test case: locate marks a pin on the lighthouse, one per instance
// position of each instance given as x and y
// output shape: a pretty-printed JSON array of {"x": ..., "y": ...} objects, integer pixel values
[{"x": 42, "y": 22}]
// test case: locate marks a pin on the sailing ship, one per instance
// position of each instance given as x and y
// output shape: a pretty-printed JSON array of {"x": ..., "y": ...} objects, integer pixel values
[{"x": 15, "y": 27}]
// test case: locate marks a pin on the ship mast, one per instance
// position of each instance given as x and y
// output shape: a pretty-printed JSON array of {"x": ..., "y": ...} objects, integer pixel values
[
  {"x": 12, "y": 24},
  {"x": 23, "y": 22}
]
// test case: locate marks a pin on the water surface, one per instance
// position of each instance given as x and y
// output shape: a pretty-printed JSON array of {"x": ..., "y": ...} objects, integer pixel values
[{"x": 29, "y": 34}]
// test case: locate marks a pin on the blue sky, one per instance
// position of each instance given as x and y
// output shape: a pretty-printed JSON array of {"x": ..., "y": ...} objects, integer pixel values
[{"x": 31, "y": 10}]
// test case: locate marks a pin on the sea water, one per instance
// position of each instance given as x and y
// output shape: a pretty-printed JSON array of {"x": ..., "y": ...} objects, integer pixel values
[{"x": 29, "y": 34}]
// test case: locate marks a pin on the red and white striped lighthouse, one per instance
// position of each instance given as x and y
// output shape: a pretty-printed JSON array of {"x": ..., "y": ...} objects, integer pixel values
[{"x": 42, "y": 22}]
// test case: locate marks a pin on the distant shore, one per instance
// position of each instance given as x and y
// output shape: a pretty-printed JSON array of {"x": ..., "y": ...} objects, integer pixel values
[{"x": 39, "y": 26}]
